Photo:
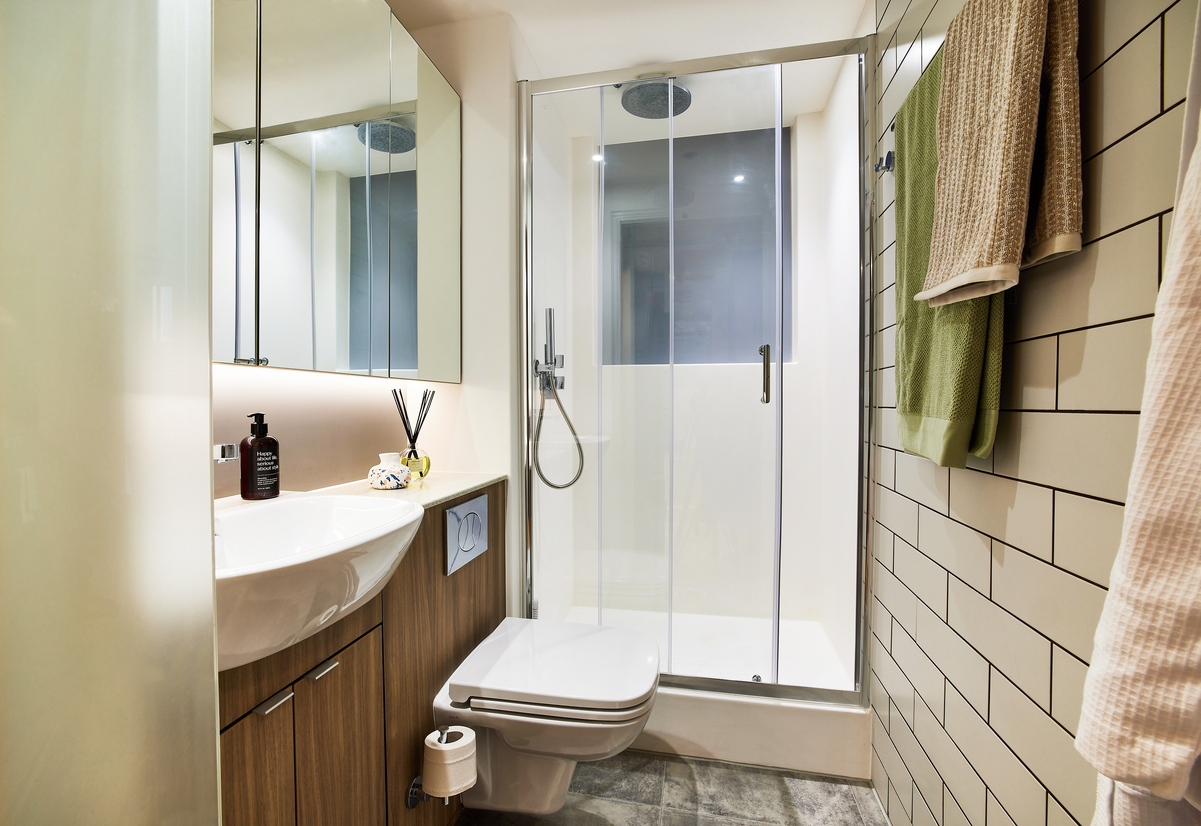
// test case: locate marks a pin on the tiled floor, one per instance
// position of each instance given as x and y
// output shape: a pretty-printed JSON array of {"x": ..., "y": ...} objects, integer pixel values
[{"x": 643, "y": 789}]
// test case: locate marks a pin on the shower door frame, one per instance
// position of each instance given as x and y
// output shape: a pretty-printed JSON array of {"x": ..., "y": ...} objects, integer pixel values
[{"x": 865, "y": 49}]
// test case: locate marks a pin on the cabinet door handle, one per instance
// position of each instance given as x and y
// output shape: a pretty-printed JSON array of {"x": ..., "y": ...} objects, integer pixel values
[
  {"x": 765, "y": 351},
  {"x": 273, "y": 702},
  {"x": 321, "y": 670}
]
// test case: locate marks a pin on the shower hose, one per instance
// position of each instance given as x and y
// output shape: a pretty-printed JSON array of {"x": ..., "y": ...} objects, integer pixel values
[{"x": 549, "y": 384}]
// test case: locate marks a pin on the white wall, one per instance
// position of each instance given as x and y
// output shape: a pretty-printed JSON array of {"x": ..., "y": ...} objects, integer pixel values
[
  {"x": 107, "y": 661},
  {"x": 819, "y": 559},
  {"x": 481, "y": 59},
  {"x": 554, "y": 576}
]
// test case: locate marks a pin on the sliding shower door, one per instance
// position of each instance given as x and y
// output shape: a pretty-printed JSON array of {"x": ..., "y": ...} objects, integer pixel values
[
  {"x": 699, "y": 239},
  {"x": 727, "y": 169},
  {"x": 633, "y": 319}
]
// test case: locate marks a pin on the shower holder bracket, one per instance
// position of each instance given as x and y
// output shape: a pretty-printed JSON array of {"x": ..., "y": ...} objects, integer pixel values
[{"x": 546, "y": 374}]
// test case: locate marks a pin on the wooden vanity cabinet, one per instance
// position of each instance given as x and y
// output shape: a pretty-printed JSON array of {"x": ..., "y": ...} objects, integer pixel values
[
  {"x": 339, "y": 712},
  {"x": 318, "y": 758},
  {"x": 257, "y": 771},
  {"x": 313, "y": 753}
]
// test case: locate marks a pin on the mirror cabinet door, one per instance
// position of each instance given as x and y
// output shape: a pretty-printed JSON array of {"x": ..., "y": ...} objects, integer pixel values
[
  {"x": 234, "y": 35},
  {"x": 348, "y": 278},
  {"x": 325, "y": 64},
  {"x": 439, "y": 238},
  {"x": 403, "y": 348}
]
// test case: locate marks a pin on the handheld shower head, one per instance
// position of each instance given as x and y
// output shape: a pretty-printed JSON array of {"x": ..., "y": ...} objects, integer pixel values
[{"x": 548, "y": 382}]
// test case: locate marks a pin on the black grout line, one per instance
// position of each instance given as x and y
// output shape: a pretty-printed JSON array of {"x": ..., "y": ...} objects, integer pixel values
[
  {"x": 1057, "y": 376},
  {"x": 1079, "y": 330},
  {"x": 1053, "y": 498},
  {"x": 1112, "y": 233},
  {"x": 1048, "y": 487},
  {"x": 1132, "y": 132},
  {"x": 1017, "y": 756},
  {"x": 1075, "y": 657},
  {"x": 1051, "y": 693},
  {"x": 1162, "y": 252},
  {"x": 1128, "y": 42},
  {"x": 988, "y": 694},
  {"x": 1002, "y": 541},
  {"x": 1163, "y": 27},
  {"x": 1069, "y": 410}
]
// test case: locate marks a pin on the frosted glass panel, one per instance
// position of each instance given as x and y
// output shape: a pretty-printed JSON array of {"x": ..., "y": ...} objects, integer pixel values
[{"x": 108, "y": 694}]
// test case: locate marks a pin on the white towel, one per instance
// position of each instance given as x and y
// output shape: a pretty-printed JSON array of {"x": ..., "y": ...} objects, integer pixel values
[{"x": 1141, "y": 722}]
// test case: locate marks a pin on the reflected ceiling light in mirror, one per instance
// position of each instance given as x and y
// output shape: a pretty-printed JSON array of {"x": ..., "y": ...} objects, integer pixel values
[
  {"x": 739, "y": 178},
  {"x": 598, "y": 157}
]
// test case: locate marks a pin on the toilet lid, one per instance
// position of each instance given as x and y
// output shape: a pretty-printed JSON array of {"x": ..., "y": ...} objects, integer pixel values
[{"x": 560, "y": 664}]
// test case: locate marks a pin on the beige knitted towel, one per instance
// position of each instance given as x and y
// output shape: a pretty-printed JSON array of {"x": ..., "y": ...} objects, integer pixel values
[
  {"x": 1009, "y": 191},
  {"x": 1141, "y": 721}
]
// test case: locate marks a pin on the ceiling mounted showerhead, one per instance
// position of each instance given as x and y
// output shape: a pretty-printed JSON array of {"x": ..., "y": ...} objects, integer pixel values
[
  {"x": 390, "y": 137},
  {"x": 649, "y": 100}
]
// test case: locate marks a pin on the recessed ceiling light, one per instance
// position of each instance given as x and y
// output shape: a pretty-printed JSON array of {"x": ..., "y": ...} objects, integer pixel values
[{"x": 739, "y": 178}]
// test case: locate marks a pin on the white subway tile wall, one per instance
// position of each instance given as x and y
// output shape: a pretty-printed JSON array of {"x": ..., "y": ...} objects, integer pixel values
[{"x": 989, "y": 581}]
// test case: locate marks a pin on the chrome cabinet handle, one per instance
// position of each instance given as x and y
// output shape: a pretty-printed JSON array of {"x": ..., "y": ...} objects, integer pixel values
[
  {"x": 765, "y": 351},
  {"x": 321, "y": 670},
  {"x": 273, "y": 702}
]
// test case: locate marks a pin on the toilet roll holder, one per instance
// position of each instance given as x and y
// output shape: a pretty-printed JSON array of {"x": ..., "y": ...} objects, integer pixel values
[{"x": 416, "y": 795}]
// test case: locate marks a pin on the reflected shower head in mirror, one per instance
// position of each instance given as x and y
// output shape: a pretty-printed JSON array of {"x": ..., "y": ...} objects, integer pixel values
[
  {"x": 390, "y": 137},
  {"x": 649, "y": 100}
]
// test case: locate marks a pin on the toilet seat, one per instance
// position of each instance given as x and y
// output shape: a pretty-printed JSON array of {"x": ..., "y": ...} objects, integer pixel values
[
  {"x": 543, "y": 696},
  {"x": 559, "y": 669},
  {"x": 562, "y": 712}
]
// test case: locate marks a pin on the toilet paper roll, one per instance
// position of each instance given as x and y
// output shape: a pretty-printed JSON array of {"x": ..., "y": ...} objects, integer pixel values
[{"x": 449, "y": 768}]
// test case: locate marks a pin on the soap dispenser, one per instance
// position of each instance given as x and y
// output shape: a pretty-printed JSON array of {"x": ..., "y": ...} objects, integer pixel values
[{"x": 260, "y": 461}]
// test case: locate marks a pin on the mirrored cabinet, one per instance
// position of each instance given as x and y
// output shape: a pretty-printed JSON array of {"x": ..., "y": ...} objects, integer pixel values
[{"x": 336, "y": 192}]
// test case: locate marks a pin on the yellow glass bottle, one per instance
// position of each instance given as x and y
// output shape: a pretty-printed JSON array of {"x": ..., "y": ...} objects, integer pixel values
[{"x": 418, "y": 462}]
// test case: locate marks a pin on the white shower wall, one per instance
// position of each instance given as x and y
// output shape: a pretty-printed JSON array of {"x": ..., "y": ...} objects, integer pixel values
[{"x": 716, "y": 454}]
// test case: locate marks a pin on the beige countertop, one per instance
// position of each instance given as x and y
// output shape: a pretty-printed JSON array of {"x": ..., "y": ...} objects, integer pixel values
[{"x": 435, "y": 489}]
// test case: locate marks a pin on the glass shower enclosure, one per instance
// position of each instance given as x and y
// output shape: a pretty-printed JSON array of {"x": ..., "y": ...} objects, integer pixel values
[{"x": 696, "y": 266}]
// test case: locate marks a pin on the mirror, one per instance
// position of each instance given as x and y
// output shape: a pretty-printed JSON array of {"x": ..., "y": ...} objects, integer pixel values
[{"x": 342, "y": 271}]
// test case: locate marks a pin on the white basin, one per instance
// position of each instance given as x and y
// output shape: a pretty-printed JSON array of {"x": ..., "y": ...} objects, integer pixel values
[{"x": 288, "y": 567}]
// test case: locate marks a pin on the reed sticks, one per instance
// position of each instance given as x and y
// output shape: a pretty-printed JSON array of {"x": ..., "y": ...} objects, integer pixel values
[{"x": 411, "y": 430}]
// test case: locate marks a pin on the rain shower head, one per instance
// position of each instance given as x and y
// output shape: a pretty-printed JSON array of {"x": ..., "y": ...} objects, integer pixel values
[
  {"x": 390, "y": 137},
  {"x": 649, "y": 100}
]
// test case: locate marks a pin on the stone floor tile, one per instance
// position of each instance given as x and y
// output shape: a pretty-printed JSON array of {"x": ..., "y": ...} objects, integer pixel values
[{"x": 636, "y": 776}]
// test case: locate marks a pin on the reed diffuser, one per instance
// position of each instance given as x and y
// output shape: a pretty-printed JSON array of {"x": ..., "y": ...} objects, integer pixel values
[{"x": 416, "y": 459}]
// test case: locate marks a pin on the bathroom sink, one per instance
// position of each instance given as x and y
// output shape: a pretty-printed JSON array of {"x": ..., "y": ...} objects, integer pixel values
[{"x": 288, "y": 567}]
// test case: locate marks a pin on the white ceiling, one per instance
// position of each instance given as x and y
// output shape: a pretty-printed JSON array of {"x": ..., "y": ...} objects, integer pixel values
[
  {"x": 731, "y": 101},
  {"x": 568, "y": 37}
]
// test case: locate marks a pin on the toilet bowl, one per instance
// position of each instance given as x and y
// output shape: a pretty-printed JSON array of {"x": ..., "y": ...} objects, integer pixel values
[{"x": 543, "y": 696}]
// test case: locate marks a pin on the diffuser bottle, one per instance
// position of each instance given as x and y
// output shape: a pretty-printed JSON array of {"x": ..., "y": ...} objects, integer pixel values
[
  {"x": 260, "y": 461},
  {"x": 413, "y": 457}
]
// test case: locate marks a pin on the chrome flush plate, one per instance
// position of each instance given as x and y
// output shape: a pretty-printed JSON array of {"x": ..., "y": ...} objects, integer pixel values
[{"x": 466, "y": 532}]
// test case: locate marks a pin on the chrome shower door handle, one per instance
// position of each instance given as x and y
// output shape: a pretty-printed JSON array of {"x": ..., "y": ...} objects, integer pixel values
[{"x": 765, "y": 351}]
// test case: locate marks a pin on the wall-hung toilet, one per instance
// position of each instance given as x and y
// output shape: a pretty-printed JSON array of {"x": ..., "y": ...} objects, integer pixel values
[{"x": 543, "y": 696}]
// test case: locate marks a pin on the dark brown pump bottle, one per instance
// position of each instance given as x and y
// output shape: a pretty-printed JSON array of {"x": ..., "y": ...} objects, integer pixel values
[{"x": 260, "y": 461}]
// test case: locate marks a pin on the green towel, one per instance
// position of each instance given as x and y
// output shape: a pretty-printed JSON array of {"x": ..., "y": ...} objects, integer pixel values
[{"x": 948, "y": 358}]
